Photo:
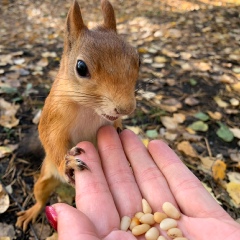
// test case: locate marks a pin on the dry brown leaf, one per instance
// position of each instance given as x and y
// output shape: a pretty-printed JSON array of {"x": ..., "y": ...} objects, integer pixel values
[
  {"x": 202, "y": 66},
  {"x": 234, "y": 177},
  {"x": 170, "y": 136},
  {"x": 236, "y": 87},
  {"x": 236, "y": 132},
  {"x": 136, "y": 130},
  {"x": 169, "y": 122},
  {"x": 219, "y": 169},
  {"x": 187, "y": 149},
  {"x": 207, "y": 162},
  {"x": 191, "y": 101},
  {"x": 8, "y": 111},
  {"x": 220, "y": 102},
  {"x": 4, "y": 200},
  {"x": 233, "y": 189},
  {"x": 179, "y": 117},
  {"x": 215, "y": 115}
]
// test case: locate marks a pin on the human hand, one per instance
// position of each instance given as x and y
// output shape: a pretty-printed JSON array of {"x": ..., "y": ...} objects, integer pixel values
[{"x": 110, "y": 191}]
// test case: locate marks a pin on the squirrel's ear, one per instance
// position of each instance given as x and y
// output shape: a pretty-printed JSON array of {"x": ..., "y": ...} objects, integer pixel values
[
  {"x": 74, "y": 24},
  {"x": 108, "y": 15}
]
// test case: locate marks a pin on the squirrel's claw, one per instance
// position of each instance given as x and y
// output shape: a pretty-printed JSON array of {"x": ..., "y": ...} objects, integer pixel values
[{"x": 72, "y": 163}]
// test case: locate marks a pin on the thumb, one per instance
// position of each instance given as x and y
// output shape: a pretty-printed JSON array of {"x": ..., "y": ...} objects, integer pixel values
[{"x": 70, "y": 222}]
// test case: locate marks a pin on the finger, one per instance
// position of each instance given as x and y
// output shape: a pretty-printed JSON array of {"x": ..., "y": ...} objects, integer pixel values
[
  {"x": 73, "y": 224},
  {"x": 121, "y": 181},
  {"x": 191, "y": 196},
  {"x": 150, "y": 180},
  {"x": 93, "y": 196}
]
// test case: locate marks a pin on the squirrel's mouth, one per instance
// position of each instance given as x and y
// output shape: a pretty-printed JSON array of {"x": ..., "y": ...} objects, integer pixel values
[{"x": 110, "y": 118}]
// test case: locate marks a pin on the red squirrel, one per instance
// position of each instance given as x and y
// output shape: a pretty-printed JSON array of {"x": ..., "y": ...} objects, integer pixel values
[{"x": 95, "y": 86}]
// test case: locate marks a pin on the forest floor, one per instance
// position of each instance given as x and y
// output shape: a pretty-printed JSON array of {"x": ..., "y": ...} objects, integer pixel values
[{"x": 189, "y": 90}]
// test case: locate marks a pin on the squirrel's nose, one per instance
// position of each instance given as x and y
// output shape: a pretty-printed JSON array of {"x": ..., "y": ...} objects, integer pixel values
[{"x": 124, "y": 110}]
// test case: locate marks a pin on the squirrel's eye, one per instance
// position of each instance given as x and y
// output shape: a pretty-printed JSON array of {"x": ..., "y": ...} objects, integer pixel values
[{"x": 82, "y": 69}]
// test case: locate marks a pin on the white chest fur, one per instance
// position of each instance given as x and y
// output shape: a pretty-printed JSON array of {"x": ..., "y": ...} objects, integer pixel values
[{"x": 86, "y": 125}]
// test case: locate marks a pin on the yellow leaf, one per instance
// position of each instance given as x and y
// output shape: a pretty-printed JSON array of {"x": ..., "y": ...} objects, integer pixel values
[
  {"x": 187, "y": 149},
  {"x": 145, "y": 141},
  {"x": 233, "y": 189},
  {"x": 218, "y": 170}
]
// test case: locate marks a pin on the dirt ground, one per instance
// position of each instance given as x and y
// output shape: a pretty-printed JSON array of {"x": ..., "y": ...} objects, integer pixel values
[{"x": 188, "y": 91}]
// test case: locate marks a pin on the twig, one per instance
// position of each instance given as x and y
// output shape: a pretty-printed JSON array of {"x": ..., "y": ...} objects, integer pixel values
[{"x": 208, "y": 147}]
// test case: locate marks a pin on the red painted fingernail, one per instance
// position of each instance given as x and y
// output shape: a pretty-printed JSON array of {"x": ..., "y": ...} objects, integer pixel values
[{"x": 51, "y": 216}]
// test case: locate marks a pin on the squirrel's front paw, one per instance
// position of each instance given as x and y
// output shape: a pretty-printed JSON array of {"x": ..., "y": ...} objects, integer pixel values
[{"x": 74, "y": 163}]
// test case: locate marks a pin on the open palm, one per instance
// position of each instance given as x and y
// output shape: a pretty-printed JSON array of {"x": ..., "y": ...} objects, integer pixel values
[{"x": 112, "y": 190}]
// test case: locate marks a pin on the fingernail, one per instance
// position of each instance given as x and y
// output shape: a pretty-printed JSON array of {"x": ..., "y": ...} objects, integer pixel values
[{"x": 51, "y": 216}]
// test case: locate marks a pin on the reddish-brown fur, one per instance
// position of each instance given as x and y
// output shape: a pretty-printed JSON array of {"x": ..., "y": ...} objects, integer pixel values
[{"x": 73, "y": 110}]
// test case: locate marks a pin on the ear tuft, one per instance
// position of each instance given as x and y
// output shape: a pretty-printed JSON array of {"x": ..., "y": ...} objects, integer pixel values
[
  {"x": 74, "y": 24},
  {"x": 108, "y": 15}
]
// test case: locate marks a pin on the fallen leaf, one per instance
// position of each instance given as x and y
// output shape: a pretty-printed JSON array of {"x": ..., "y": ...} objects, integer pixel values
[
  {"x": 160, "y": 59},
  {"x": 193, "y": 82},
  {"x": 37, "y": 116},
  {"x": 226, "y": 79},
  {"x": 148, "y": 95},
  {"x": 152, "y": 133},
  {"x": 234, "y": 177},
  {"x": 236, "y": 87},
  {"x": 220, "y": 102},
  {"x": 199, "y": 126},
  {"x": 179, "y": 117},
  {"x": 191, "y": 101},
  {"x": 219, "y": 169},
  {"x": 207, "y": 162},
  {"x": 169, "y": 122},
  {"x": 235, "y": 156},
  {"x": 7, "y": 231},
  {"x": 4, "y": 200},
  {"x": 224, "y": 133},
  {"x": 215, "y": 115},
  {"x": 4, "y": 151},
  {"x": 202, "y": 66},
  {"x": 66, "y": 193},
  {"x": 201, "y": 116},
  {"x": 170, "y": 136},
  {"x": 187, "y": 149},
  {"x": 210, "y": 191},
  {"x": 234, "y": 191},
  {"x": 53, "y": 237},
  {"x": 8, "y": 111},
  {"x": 136, "y": 130},
  {"x": 145, "y": 141},
  {"x": 235, "y": 132},
  {"x": 234, "y": 102}
]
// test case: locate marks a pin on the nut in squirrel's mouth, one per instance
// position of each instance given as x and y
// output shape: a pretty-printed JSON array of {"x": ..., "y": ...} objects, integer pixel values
[{"x": 110, "y": 118}]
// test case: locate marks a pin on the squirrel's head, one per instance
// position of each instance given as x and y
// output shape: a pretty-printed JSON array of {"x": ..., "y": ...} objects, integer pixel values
[{"x": 101, "y": 69}]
